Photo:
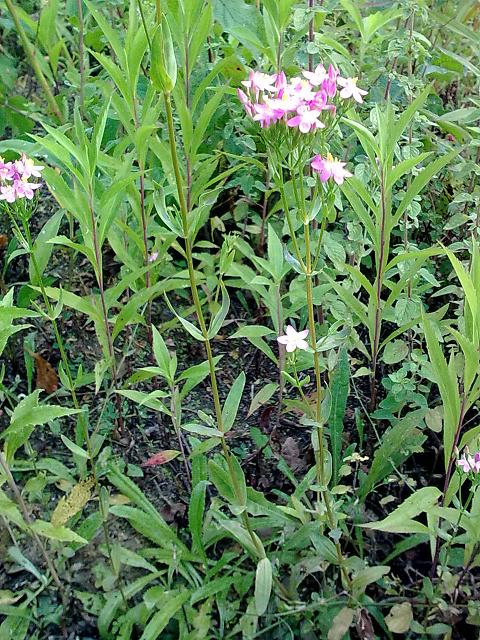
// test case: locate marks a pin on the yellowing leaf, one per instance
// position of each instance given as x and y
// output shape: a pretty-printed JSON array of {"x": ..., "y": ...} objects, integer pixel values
[
  {"x": 399, "y": 618},
  {"x": 118, "y": 498},
  {"x": 70, "y": 505},
  {"x": 341, "y": 624}
]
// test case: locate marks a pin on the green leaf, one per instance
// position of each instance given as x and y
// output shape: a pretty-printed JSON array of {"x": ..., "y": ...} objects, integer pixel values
[
  {"x": 110, "y": 34},
  {"x": 256, "y": 331},
  {"x": 400, "y": 520},
  {"x": 263, "y": 585},
  {"x": 355, "y": 14},
  {"x": 339, "y": 395},
  {"x": 275, "y": 254},
  {"x": 404, "y": 167},
  {"x": 367, "y": 576},
  {"x": 420, "y": 181},
  {"x": 217, "y": 588},
  {"x": 397, "y": 444},
  {"x": 196, "y": 510},
  {"x": 42, "y": 249},
  {"x": 232, "y": 402},
  {"x": 406, "y": 116},
  {"x": 74, "y": 448},
  {"x": 191, "y": 328},
  {"x": 375, "y": 21},
  {"x": 447, "y": 385},
  {"x": 219, "y": 318},
  {"x": 222, "y": 481},
  {"x": 161, "y": 353},
  {"x": 171, "y": 603},
  {"x": 63, "y": 534},
  {"x": 262, "y": 396},
  {"x": 395, "y": 351},
  {"x": 150, "y": 514}
]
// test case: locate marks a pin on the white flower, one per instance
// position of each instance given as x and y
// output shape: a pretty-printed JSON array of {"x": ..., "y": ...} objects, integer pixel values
[
  {"x": 350, "y": 89},
  {"x": 316, "y": 77},
  {"x": 294, "y": 339}
]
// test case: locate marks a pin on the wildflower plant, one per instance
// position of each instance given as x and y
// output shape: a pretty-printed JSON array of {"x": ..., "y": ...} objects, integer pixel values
[{"x": 298, "y": 120}]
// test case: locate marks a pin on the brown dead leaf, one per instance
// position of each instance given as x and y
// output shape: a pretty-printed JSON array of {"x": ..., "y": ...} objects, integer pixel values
[
  {"x": 3, "y": 241},
  {"x": 47, "y": 378},
  {"x": 291, "y": 454},
  {"x": 364, "y": 625}
]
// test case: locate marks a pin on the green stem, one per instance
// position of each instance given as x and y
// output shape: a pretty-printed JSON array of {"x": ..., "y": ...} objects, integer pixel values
[
  {"x": 27, "y": 47},
  {"x": 199, "y": 312},
  {"x": 81, "y": 56},
  {"x": 66, "y": 366},
  {"x": 28, "y": 522}
]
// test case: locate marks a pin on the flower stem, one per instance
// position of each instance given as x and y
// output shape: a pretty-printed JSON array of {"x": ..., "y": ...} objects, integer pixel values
[
  {"x": 32, "y": 60},
  {"x": 201, "y": 320}
]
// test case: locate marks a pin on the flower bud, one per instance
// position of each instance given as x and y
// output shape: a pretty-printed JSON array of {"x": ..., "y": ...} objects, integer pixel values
[{"x": 163, "y": 67}]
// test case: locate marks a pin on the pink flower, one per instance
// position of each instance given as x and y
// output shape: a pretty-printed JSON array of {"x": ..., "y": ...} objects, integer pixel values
[
  {"x": 242, "y": 96},
  {"x": 316, "y": 77},
  {"x": 6, "y": 170},
  {"x": 280, "y": 83},
  {"x": 468, "y": 462},
  {"x": 267, "y": 113},
  {"x": 8, "y": 193},
  {"x": 260, "y": 81},
  {"x": 350, "y": 89},
  {"x": 153, "y": 256},
  {"x": 25, "y": 189},
  {"x": 319, "y": 100},
  {"x": 301, "y": 89},
  {"x": 294, "y": 339},
  {"x": 329, "y": 84},
  {"x": 330, "y": 168},
  {"x": 26, "y": 167},
  {"x": 306, "y": 119}
]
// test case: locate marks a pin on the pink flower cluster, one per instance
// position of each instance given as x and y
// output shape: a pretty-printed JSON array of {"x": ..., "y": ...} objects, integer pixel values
[
  {"x": 298, "y": 102},
  {"x": 15, "y": 176},
  {"x": 468, "y": 462}
]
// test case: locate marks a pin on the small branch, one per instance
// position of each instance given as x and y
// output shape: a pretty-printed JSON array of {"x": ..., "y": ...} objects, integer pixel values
[{"x": 32, "y": 60}]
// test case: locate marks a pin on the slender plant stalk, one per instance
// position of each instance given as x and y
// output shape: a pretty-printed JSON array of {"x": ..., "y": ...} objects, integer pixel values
[
  {"x": 409, "y": 179},
  {"x": 68, "y": 373},
  {"x": 281, "y": 356},
  {"x": 310, "y": 35},
  {"x": 141, "y": 164},
  {"x": 448, "y": 474},
  {"x": 378, "y": 291},
  {"x": 108, "y": 333},
  {"x": 28, "y": 521},
  {"x": 175, "y": 409},
  {"x": 33, "y": 62},
  {"x": 81, "y": 57},
  {"x": 309, "y": 275},
  {"x": 199, "y": 312}
]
